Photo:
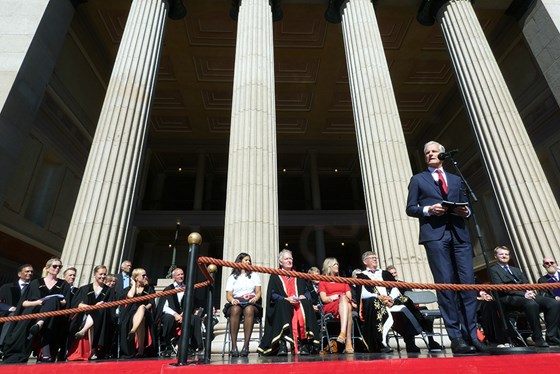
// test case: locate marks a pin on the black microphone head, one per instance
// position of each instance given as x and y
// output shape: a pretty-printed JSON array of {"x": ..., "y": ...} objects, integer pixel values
[{"x": 448, "y": 154}]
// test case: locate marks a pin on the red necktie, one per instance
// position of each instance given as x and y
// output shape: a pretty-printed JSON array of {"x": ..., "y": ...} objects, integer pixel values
[{"x": 441, "y": 182}]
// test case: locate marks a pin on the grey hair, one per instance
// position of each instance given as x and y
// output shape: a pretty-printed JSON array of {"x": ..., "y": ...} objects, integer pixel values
[
  {"x": 367, "y": 254},
  {"x": 441, "y": 147},
  {"x": 282, "y": 253}
]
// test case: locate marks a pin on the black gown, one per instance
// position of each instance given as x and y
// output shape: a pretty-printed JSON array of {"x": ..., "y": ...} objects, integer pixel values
[
  {"x": 278, "y": 321},
  {"x": 374, "y": 314},
  {"x": 17, "y": 347},
  {"x": 128, "y": 345},
  {"x": 102, "y": 319}
]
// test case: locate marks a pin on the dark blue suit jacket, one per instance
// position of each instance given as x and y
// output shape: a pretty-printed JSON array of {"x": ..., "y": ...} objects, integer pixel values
[{"x": 423, "y": 191}]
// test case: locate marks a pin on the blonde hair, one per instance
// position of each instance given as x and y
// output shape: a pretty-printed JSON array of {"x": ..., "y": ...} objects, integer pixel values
[
  {"x": 136, "y": 272},
  {"x": 327, "y": 265},
  {"x": 49, "y": 264}
]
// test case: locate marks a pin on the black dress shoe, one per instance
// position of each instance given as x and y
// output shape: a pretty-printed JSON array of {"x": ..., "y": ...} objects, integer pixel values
[
  {"x": 45, "y": 359},
  {"x": 432, "y": 344},
  {"x": 459, "y": 346},
  {"x": 553, "y": 341},
  {"x": 385, "y": 349},
  {"x": 244, "y": 352},
  {"x": 412, "y": 348},
  {"x": 282, "y": 350},
  {"x": 477, "y": 344},
  {"x": 33, "y": 331},
  {"x": 304, "y": 350},
  {"x": 540, "y": 343}
]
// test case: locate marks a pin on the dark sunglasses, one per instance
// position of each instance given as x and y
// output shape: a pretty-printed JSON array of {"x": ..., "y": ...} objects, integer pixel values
[
  {"x": 549, "y": 262},
  {"x": 56, "y": 266}
]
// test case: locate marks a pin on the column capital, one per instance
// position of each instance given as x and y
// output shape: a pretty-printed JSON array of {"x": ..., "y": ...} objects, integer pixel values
[
  {"x": 428, "y": 9},
  {"x": 277, "y": 13}
]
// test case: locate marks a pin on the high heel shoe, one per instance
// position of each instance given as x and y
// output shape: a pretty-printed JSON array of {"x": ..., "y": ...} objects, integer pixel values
[
  {"x": 244, "y": 352},
  {"x": 341, "y": 338},
  {"x": 234, "y": 352},
  {"x": 79, "y": 335},
  {"x": 349, "y": 349}
]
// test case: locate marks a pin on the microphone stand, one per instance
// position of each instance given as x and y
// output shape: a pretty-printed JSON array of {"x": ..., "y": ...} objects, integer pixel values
[{"x": 471, "y": 198}]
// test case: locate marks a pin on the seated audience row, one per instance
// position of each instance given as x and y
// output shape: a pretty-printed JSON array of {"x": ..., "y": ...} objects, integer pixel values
[
  {"x": 293, "y": 311},
  {"x": 92, "y": 334}
]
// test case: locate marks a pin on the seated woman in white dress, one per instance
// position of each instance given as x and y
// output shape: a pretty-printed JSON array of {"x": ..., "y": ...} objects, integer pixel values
[{"x": 243, "y": 295}]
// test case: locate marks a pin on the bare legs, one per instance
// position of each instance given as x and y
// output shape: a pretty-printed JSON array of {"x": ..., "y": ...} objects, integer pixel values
[
  {"x": 88, "y": 324},
  {"x": 345, "y": 313},
  {"x": 139, "y": 328},
  {"x": 234, "y": 322}
]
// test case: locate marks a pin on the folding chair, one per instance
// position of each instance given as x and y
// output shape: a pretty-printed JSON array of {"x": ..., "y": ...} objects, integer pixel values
[
  {"x": 240, "y": 338},
  {"x": 404, "y": 320},
  {"x": 423, "y": 298}
]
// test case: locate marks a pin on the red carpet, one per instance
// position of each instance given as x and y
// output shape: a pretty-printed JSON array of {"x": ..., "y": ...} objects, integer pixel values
[{"x": 512, "y": 364}]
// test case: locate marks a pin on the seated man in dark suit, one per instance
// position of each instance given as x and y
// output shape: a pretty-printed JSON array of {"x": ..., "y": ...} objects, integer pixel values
[
  {"x": 552, "y": 276},
  {"x": 313, "y": 288},
  {"x": 528, "y": 301},
  {"x": 170, "y": 315},
  {"x": 10, "y": 294}
]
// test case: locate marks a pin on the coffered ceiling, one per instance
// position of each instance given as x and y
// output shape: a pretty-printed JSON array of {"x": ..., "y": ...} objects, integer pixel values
[{"x": 191, "y": 109}]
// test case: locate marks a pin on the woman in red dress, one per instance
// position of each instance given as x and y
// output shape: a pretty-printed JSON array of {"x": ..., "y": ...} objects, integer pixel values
[{"x": 336, "y": 298}]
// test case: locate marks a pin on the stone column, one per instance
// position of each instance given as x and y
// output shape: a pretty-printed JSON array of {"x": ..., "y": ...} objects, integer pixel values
[
  {"x": 32, "y": 34},
  {"x": 541, "y": 29},
  {"x": 528, "y": 207},
  {"x": 251, "y": 216},
  {"x": 382, "y": 150},
  {"x": 101, "y": 223}
]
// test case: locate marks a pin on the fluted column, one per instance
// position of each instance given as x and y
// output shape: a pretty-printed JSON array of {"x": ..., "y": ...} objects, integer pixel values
[
  {"x": 251, "y": 216},
  {"x": 101, "y": 221},
  {"x": 528, "y": 207},
  {"x": 382, "y": 150}
]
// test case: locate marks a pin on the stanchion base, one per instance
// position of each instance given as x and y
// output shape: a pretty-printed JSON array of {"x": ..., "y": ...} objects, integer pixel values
[
  {"x": 511, "y": 350},
  {"x": 188, "y": 363}
]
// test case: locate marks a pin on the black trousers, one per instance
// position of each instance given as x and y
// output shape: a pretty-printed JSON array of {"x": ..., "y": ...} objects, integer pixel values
[{"x": 532, "y": 309}]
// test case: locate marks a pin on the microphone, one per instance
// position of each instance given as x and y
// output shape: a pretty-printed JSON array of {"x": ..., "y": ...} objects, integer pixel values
[{"x": 448, "y": 154}]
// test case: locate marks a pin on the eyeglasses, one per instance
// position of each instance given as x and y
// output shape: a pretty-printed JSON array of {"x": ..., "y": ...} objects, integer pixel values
[
  {"x": 550, "y": 262},
  {"x": 371, "y": 258},
  {"x": 144, "y": 276},
  {"x": 56, "y": 266}
]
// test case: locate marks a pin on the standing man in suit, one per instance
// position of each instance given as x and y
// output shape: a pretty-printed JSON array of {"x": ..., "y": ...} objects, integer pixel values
[
  {"x": 528, "y": 301},
  {"x": 123, "y": 277},
  {"x": 444, "y": 234},
  {"x": 552, "y": 276},
  {"x": 10, "y": 294}
]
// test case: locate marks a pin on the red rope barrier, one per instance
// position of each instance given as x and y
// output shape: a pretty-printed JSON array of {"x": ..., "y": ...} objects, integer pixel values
[
  {"x": 100, "y": 306},
  {"x": 260, "y": 269},
  {"x": 363, "y": 282}
]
